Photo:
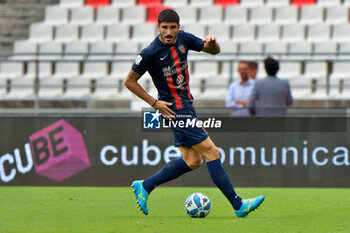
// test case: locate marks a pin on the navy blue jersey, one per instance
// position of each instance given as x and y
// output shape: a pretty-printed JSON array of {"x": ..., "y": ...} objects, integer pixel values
[{"x": 168, "y": 68}]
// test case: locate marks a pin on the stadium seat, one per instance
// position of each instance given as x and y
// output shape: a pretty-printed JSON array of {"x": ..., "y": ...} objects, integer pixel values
[
  {"x": 201, "y": 3},
  {"x": 340, "y": 70},
  {"x": 123, "y": 3},
  {"x": 243, "y": 32},
  {"x": 39, "y": 32},
  {"x": 153, "y": 12},
  {"x": 106, "y": 88},
  {"x": 175, "y": 3},
  {"x": 302, "y": 3},
  {"x": 227, "y": 48},
  {"x": 204, "y": 70},
  {"x": 120, "y": 69},
  {"x": 337, "y": 15},
  {"x": 75, "y": 50},
  {"x": 44, "y": 70},
  {"x": 133, "y": 15},
  {"x": 213, "y": 89},
  {"x": 341, "y": 33},
  {"x": 328, "y": 3},
  {"x": 293, "y": 33},
  {"x": 128, "y": 48},
  {"x": 289, "y": 70},
  {"x": 3, "y": 87},
  {"x": 300, "y": 50},
  {"x": 71, "y": 3},
  {"x": 268, "y": 33},
  {"x": 97, "y": 3},
  {"x": 107, "y": 15},
  {"x": 302, "y": 89},
  {"x": 261, "y": 71},
  {"x": 196, "y": 29},
  {"x": 143, "y": 32},
  {"x": 315, "y": 70},
  {"x": 66, "y": 33},
  {"x": 311, "y": 14},
  {"x": 188, "y": 15},
  {"x": 99, "y": 48},
  {"x": 344, "y": 50},
  {"x": 56, "y": 15},
  {"x": 92, "y": 33},
  {"x": 82, "y": 15},
  {"x": 226, "y": 3},
  {"x": 11, "y": 70},
  {"x": 224, "y": 71},
  {"x": 251, "y": 3},
  {"x": 250, "y": 50},
  {"x": 277, "y": 3},
  {"x": 221, "y": 31},
  {"x": 117, "y": 32},
  {"x": 21, "y": 88},
  {"x": 321, "y": 49},
  {"x": 235, "y": 15},
  {"x": 46, "y": 48},
  {"x": 260, "y": 15},
  {"x": 276, "y": 49},
  {"x": 210, "y": 15},
  {"x": 94, "y": 70},
  {"x": 24, "y": 50},
  {"x": 66, "y": 70},
  {"x": 150, "y": 3},
  {"x": 77, "y": 88},
  {"x": 286, "y": 15},
  {"x": 318, "y": 32},
  {"x": 50, "y": 88}
]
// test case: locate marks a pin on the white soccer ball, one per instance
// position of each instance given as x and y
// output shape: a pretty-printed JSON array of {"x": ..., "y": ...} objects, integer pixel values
[{"x": 197, "y": 205}]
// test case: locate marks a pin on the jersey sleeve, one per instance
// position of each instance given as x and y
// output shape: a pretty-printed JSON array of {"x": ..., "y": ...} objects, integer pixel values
[
  {"x": 193, "y": 42},
  {"x": 142, "y": 61}
]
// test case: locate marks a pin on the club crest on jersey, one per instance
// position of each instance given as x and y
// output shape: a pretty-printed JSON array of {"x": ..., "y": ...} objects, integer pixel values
[
  {"x": 180, "y": 79},
  {"x": 182, "y": 49}
]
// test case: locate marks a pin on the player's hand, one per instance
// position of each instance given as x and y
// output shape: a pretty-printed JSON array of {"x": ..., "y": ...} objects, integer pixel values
[
  {"x": 210, "y": 40},
  {"x": 163, "y": 107}
]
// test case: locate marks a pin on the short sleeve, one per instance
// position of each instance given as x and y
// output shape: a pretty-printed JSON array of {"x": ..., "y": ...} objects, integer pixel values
[
  {"x": 193, "y": 42},
  {"x": 142, "y": 61}
]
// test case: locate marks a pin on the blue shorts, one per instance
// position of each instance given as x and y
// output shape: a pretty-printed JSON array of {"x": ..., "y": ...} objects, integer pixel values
[{"x": 187, "y": 135}]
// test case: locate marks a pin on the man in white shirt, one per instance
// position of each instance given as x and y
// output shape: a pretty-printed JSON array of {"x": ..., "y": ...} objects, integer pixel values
[{"x": 239, "y": 92}]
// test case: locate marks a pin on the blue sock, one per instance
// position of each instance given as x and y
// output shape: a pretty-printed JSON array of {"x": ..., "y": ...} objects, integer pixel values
[
  {"x": 170, "y": 171},
  {"x": 221, "y": 180}
]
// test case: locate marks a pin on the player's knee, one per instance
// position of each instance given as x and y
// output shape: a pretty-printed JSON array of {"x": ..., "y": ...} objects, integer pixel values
[
  {"x": 213, "y": 153},
  {"x": 195, "y": 163}
]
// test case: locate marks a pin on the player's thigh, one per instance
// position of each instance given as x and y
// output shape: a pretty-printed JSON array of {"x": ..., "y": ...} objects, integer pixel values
[
  {"x": 192, "y": 158},
  {"x": 207, "y": 149}
]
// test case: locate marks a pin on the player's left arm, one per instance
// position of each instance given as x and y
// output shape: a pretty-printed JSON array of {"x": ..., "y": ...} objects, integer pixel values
[{"x": 211, "y": 45}]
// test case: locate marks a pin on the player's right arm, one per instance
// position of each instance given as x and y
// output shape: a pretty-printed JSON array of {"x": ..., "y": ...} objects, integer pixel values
[{"x": 132, "y": 84}]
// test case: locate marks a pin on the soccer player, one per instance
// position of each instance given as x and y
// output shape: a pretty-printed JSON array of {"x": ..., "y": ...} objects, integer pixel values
[{"x": 166, "y": 61}]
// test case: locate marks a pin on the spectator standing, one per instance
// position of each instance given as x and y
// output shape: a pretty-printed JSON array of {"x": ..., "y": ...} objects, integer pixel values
[{"x": 270, "y": 96}]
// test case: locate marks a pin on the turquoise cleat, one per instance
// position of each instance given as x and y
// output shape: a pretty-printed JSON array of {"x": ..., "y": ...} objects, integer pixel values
[
  {"x": 249, "y": 205},
  {"x": 141, "y": 195}
]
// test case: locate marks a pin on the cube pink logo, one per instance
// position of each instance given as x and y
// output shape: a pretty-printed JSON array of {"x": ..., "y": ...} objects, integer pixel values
[{"x": 59, "y": 151}]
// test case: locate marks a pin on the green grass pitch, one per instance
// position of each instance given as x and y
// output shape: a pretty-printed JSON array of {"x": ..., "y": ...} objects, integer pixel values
[{"x": 100, "y": 209}]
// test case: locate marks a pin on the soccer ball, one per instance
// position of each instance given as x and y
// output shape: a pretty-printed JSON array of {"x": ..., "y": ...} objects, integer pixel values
[{"x": 197, "y": 205}]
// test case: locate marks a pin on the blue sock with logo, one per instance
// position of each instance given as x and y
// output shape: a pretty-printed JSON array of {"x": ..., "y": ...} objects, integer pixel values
[
  {"x": 170, "y": 171},
  {"x": 221, "y": 180}
]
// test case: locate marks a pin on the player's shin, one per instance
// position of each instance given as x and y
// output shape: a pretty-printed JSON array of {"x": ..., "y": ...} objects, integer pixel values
[
  {"x": 170, "y": 171},
  {"x": 222, "y": 181}
]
